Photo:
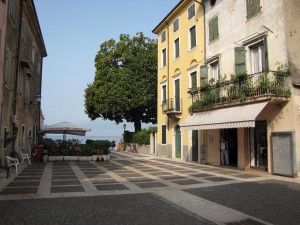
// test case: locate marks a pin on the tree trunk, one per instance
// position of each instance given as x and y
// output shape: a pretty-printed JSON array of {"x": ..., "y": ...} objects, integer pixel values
[{"x": 137, "y": 125}]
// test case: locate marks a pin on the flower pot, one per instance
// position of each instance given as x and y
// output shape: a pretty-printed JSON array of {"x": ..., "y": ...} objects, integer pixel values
[
  {"x": 106, "y": 157},
  {"x": 55, "y": 158},
  {"x": 70, "y": 158},
  {"x": 95, "y": 157}
]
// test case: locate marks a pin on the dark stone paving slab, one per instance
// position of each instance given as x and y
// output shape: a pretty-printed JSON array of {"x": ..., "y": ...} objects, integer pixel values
[
  {"x": 186, "y": 182},
  {"x": 139, "y": 179},
  {"x": 277, "y": 202},
  {"x": 217, "y": 179},
  {"x": 30, "y": 174},
  {"x": 97, "y": 176},
  {"x": 160, "y": 173},
  {"x": 63, "y": 189},
  {"x": 246, "y": 222},
  {"x": 150, "y": 184},
  {"x": 19, "y": 191},
  {"x": 26, "y": 178},
  {"x": 172, "y": 177},
  {"x": 111, "y": 187},
  {"x": 58, "y": 177},
  {"x": 65, "y": 182},
  {"x": 201, "y": 175},
  {"x": 246, "y": 175},
  {"x": 24, "y": 184}
]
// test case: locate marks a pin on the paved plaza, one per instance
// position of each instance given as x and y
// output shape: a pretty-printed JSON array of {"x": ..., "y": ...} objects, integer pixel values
[{"x": 141, "y": 189}]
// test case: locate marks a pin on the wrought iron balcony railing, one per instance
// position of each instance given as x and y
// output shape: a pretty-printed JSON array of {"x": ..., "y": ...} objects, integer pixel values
[
  {"x": 240, "y": 88},
  {"x": 172, "y": 105}
]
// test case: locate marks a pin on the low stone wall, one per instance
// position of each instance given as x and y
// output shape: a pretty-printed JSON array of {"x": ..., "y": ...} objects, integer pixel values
[{"x": 144, "y": 149}]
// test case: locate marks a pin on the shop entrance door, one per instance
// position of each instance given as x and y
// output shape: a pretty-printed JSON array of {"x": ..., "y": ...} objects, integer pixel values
[
  {"x": 259, "y": 150},
  {"x": 195, "y": 154},
  {"x": 230, "y": 136},
  {"x": 178, "y": 142}
]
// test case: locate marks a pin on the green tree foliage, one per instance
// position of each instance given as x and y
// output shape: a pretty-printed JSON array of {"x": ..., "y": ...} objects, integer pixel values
[
  {"x": 125, "y": 83},
  {"x": 143, "y": 137}
]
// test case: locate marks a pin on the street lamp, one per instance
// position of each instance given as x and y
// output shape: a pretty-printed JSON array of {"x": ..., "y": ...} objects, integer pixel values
[{"x": 124, "y": 127}]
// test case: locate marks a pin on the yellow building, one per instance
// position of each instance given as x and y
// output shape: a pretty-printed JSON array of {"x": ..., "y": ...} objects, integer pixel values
[{"x": 180, "y": 55}]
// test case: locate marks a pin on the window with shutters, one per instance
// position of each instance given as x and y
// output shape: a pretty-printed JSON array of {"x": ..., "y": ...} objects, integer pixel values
[
  {"x": 176, "y": 25},
  {"x": 192, "y": 37},
  {"x": 176, "y": 49},
  {"x": 12, "y": 11},
  {"x": 8, "y": 68},
  {"x": 253, "y": 8},
  {"x": 164, "y": 57},
  {"x": 213, "y": 29},
  {"x": 191, "y": 11},
  {"x": 164, "y": 134},
  {"x": 163, "y": 36},
  {"x": 193, "y": 79},
  {"x": 164, "y": 94},
  {"x": 28, "y": 89}
]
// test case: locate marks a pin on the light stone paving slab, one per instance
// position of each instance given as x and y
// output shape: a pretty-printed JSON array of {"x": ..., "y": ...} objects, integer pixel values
[{"x": 209, "y": 210}]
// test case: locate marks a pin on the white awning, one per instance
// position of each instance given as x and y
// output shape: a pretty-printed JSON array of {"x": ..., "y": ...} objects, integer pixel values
[{"x": 232, "y": 117}]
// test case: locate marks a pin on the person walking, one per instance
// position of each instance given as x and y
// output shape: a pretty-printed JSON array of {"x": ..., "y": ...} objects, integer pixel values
[{"x": 224, "y": 151}]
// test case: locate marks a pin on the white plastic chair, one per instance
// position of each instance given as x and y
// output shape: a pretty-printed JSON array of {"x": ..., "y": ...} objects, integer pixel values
[
  {"x": 24, "y": 156},
  {"x": 13, "y": 162}
]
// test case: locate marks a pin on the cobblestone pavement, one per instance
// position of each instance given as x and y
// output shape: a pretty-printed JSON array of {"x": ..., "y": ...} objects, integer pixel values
[{"x": 140, "y": 189}]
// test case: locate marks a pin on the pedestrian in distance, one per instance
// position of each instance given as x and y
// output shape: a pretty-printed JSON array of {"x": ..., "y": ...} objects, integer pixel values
[{"x": 224, "y": 151}]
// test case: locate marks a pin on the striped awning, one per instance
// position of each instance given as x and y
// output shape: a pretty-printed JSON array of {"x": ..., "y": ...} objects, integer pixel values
[{"x": 232, "y": 117}]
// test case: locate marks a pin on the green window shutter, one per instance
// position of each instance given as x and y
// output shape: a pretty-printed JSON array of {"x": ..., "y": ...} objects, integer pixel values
[
  {"x": 164, "y": 57},
  {"x": 213, "y": 29},
  {"x": 177, "y": 51},
  {"x": 203, "y": 72},
  {"x": 194, "y": 79},
  {"x": 240, "y": 59},
  {"x": 253, "y": 8},
  {"x": 164, "y": 94},
  {"x": 191, "y": 11},
  {"x": 176, "y": 25},
  {"x": 193, "y": 37},
  {"x": 163, "y": 36},
  {"x": 177, "y": 95},
  {"x": 163, "y": 134},
  {"x": 265, "y": 58}
]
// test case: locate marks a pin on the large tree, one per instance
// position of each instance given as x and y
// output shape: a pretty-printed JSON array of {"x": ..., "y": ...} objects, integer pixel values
[{"x": 125, "y": 83}]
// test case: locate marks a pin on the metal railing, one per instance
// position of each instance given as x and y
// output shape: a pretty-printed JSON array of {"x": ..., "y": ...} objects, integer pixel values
[
  {"x": 240, "y": 87},
  {"x": 172, "y": 105}
]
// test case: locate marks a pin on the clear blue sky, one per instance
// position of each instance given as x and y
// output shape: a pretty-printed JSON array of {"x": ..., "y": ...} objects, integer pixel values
[{"x": 73, "y": 31}]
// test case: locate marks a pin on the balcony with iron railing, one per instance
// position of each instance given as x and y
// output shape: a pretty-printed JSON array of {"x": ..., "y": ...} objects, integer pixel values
[
  {"x": 172, "y": 107},
  {"x": 240, "y": 89}
]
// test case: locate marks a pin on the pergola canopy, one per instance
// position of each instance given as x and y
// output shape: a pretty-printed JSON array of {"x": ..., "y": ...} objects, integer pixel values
[{"x": 65, "y": 128}]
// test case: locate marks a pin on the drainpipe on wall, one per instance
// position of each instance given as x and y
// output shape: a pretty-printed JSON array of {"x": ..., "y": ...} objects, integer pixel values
[
  {"x": 14, "y": 116},
  {"x": 168, "y": 69}
]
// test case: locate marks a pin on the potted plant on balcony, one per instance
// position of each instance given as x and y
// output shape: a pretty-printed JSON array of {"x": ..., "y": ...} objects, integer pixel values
[
  {"x": 282, "y": 72},
  {"x": 205, "y": 87}
]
